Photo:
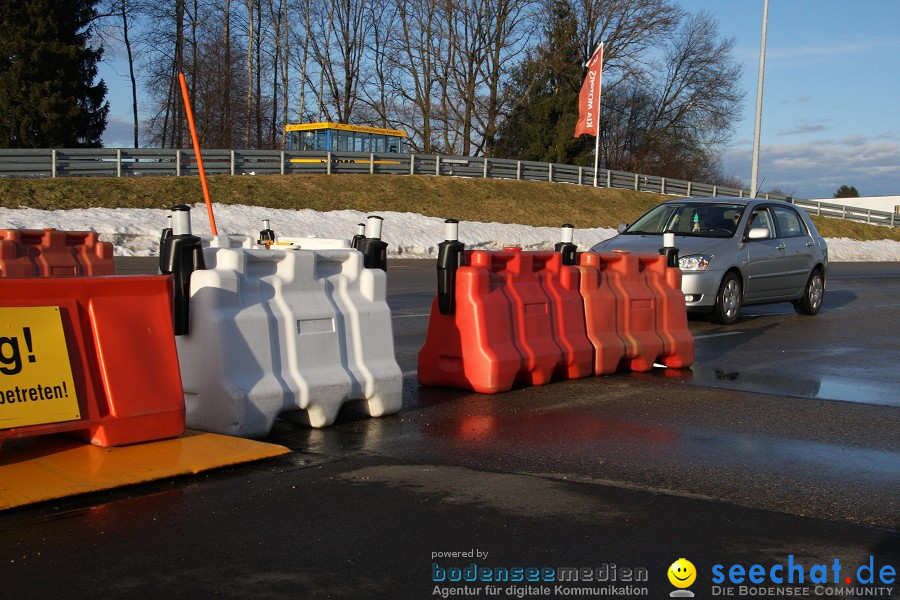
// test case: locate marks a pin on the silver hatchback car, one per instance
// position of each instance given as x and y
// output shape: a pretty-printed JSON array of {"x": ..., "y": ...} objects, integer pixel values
[{"x": 735, "y": 252}]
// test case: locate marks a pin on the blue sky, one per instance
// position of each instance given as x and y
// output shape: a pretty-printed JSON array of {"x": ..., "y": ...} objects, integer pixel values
[
  {"x": 830, "y": 106},
  {"x": 831, "y": 97}
]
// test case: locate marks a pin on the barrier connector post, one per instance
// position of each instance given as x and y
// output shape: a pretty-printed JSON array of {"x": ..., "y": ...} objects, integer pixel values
[
  {"x": 183, "y": 256},
  {"x": 373, "y": 248},
  {"x": 451, "y": 256},
  {"x": 359, "y": 237},
  {"x": 669, "y": 250},
  {"x": 164, "y": 242},
  {"x": 565, "y": 245},
  {"x": 266, "y": 236}
]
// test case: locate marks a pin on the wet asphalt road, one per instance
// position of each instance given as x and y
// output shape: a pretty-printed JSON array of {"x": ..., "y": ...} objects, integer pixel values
[{"x": 783, "y": 440}]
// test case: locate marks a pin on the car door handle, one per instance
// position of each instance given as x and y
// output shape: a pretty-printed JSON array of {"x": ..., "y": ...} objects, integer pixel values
[
  {"x": 810, "y": 244},
  {"x": 780, "y": 246}
]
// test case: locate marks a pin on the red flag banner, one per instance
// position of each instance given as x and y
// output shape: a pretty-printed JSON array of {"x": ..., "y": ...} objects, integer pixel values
[{"x": 589, "y": 99}]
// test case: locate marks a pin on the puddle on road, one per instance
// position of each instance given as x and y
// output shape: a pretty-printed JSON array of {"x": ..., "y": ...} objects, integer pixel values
[{"x": 823, "y": 388}]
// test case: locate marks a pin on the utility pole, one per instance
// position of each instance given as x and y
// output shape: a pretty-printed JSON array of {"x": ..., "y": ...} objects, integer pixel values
[{"x": 754, "y": 172}]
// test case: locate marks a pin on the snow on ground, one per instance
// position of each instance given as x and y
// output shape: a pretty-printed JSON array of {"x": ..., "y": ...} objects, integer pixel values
[{"x": 135, "y": 232}]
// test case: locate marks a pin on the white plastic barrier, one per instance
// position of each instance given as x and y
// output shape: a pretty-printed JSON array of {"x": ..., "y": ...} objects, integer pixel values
[
  {"x": 311, "y": 243},
  {"x": 233, "y": 240},
  {"x": 293, "y": 334}
]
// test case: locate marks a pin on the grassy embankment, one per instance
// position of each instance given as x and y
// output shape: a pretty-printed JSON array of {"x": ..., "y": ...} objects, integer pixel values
[{"x": 487, "y": 200}]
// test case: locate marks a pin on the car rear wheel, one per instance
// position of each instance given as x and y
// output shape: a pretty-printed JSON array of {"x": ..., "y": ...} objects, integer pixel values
[
  {"x": 728, "y": 300},
  {"x": 813, "y": 295}
]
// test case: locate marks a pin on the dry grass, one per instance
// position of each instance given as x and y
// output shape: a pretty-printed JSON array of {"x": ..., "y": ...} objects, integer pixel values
[
  {"x": 854, "y": 230},
  {"x": 486, "y": 200}
]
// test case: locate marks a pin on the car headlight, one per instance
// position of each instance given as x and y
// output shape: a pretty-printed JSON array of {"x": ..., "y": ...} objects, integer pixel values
[{"x": 695, "y": 262}]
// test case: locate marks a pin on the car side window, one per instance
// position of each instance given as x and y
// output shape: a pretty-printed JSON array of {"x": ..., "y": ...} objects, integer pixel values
[
  {"x": 760, "y": 218},
  {"x": 789, "y": 222}
]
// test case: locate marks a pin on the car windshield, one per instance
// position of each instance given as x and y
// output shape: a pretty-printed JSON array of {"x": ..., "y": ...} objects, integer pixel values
[{"x": 699, "y": 219}]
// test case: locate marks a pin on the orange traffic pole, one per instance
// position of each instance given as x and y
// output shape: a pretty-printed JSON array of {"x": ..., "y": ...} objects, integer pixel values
[{"x": 190, "y": 118}]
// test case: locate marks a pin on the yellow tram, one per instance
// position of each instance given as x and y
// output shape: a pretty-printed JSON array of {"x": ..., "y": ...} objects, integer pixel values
[{"x": 340, "y": 137}]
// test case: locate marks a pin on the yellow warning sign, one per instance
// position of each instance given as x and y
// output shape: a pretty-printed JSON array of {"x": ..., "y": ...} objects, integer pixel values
[{"x": 36, "y": 383}]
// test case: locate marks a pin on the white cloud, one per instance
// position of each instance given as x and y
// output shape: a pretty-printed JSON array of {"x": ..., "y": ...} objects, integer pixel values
[
  {"x": 815, "y": 169},
  {"x": 854, "y": 140},
  {"x": 798, "y": 100},
  {"x": 119, "y": 132},
  {"x": 843, "y": 48},
  {"x": 804, "y": 127}
]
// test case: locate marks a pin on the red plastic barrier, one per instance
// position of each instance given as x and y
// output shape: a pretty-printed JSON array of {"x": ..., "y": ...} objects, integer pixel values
[
  {"x": 561, "y": 284},
  {"x": 121, "y": 360},
  {"x": 671, "y": 314},
  {"x": 600, "y": 315},
  {"x": 519, "y": 317},
  {"x": 472, "y": 348},
  {"x": 52, "y": 253},
  {"x": 532, "y": 311},
  {"x": 635, "y": 308},
  {"x": 524, "y": 316}
]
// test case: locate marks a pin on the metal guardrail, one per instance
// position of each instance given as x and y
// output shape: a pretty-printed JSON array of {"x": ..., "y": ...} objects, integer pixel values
[{"x": 125, "y": 162}]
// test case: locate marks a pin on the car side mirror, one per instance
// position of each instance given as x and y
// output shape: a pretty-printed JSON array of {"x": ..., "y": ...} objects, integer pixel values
[
  {"x": 758, "y": 233},
  {"x": 622, "y": 227}
]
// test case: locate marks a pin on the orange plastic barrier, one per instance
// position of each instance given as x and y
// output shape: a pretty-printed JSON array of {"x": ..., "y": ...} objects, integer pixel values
[
  {"x": 561, "y": 284},
  {"x": 635, "y": 309},
  {"x": 532, "y": 311},
  {"x": 519, "y": 317},
  {"x": 525, "y": 316},
  {"x": 600, "y": 315},
  {"x": 636, "y": 298},
  {"x": 472, "y": 348},
  {"x": 671, "y": 316},
  {"x": 52, "y": 253},
  {"x": 89, "y": 355}
]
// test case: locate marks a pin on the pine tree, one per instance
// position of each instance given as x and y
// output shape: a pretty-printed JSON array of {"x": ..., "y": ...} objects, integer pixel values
[
  {"x": 846, "y": 191},
  {"x": 540, "y": 127},
  {"x": 48, "y": 97}
]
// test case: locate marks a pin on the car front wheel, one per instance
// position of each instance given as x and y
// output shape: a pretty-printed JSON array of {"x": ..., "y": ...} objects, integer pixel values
[
  {"x": 813, "y": 295},
  {"x": 728, "y": 301}
]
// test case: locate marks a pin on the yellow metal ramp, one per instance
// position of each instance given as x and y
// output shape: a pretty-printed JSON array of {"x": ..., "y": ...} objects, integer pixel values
[{"x": 55, "y": 466}]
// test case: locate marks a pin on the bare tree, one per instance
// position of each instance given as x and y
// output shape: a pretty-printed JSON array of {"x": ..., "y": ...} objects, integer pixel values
[
  {"x": 673, "y": 124},
  {"x": 510, "y": 24},
  {"x": 307, "y": 22},
  {"x": 375, "y": 86},
  {"x": 467, "y": 37},
  {"x": 443, "y": 70},
  {"x": 251, "y": 33},
  {"x": 131, "y": 76},
  {"x": 340, "y": 62},
  {"x": 116, "y": 19},
  {"x": 418, "y": 46},
  {"x": 283, "y": 37},
  {"x": 164, "y": 40},
  {"x": 629, "y": 29},
  {"x": 320, "y": 35}
]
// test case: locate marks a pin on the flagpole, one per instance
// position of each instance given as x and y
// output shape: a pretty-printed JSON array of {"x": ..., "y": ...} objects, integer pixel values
[{"x": 597, "y": 121}]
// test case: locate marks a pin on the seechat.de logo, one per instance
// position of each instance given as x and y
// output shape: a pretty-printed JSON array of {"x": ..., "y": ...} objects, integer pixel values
[{"x": 682, "y": 574}]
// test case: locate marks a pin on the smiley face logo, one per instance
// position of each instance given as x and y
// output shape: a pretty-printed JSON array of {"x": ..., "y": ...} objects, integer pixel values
[{"x": 682, "y": 573}]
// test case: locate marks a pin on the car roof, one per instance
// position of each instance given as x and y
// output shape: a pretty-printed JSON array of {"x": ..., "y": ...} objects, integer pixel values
[{"x": 718, "y": 200}]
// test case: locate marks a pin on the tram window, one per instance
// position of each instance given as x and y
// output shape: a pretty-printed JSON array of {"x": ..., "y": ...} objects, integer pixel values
[
  {"x": 320, "y": 141},
  {"x": 343, "y": 141}
]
